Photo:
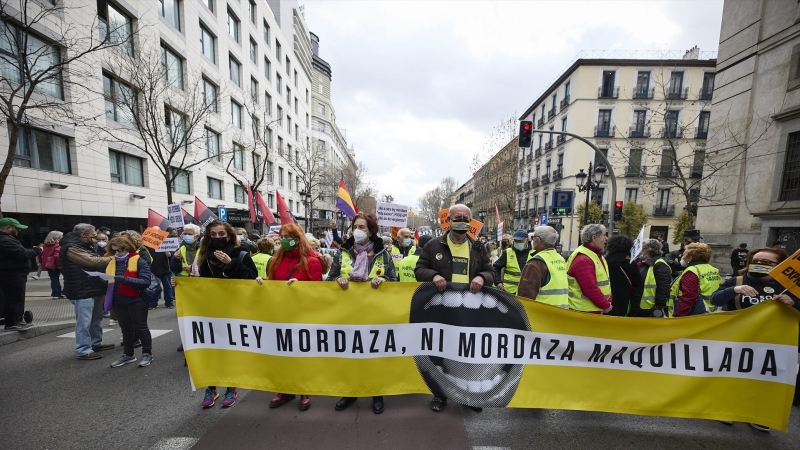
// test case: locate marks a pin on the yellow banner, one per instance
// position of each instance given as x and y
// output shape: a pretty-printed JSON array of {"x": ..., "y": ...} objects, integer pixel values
[{"x": 488, "y": 349}]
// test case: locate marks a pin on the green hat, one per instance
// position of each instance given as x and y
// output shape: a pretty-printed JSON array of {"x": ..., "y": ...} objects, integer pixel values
[{"x": 9, "y": 222}]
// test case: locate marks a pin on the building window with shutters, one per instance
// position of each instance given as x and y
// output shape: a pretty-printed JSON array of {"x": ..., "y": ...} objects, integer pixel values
[{"x": 790, "y": 181}]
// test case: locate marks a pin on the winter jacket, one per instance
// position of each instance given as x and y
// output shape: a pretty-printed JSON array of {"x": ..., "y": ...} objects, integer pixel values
[
  {"x": 626, "y": 282},
  {"x": 500, "y": 263},
  {"x": 160, "y": 263},
  {"x": 583, "y": 270},
  {"x": 725, "y": 296},
  {"x": 289, "y": 267},
  {"x": 663, "y": 276},
  {"x": 241, "y": 266},
  {"x": 13, "y": 256},
  {"x": 140, "y": 283},
  {"x": 436, "y": 259},
  {"x": 378, "y": 252},
  {"x": 690, "y": 288},
  {"x": 76, "y": 256},
  {"x": 49, "y": 257}
]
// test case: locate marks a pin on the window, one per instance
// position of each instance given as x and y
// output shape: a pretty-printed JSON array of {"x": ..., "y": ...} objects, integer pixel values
[
  {"x": 675, "y": 87},
  {"x": 290, "y": 180},
  {"x": 671, "y": 123},
  {"x": 632, "y": 195},
  {"x": 40, "y": 150},
  {"x": 214, "y": 188},
  {"x": 320, "y": 82},
  {"x": 270, "y": 173},
  {"x": 172, "y": 66},
  {"x": 280, "y": 176},
  {"x": 543, "y": 113},
  {"x": 42, "y": 60},
  {"x": 266, "y": 32},
  {"x": 271, "y": 200},
  {"x": 115, "y": 25},
  {"x": 257, "y": 161},
  {"x": 306, "y": 96},
  {"x": 603, "y": 123},
  {"x": 296, "y": 132},
  {"x": 253, "y": 51},
  {"x": 607, "y": 88},
  {"x": 634, "y": 168},
  {"x": 280, "y": 116},
  {"x": 119, "y": 100},
  {"x": 236, "y": 114},
  {"x": 639, "y": 120},
  {"x": 268, "y": 137},
  {"x": 125, "y": 169},
  {"x": 297, "y": 157},
  {"x": 296, "y": 109},
  {"x": 233, "y": 26},
  {"x": 268, "y": 103},
  {"x": 280, "y": 145},
  {"x": 175, "y": 127},
  {"x": 253, "y": 11},
  {"x": 207, "y": 44},
  {"x": 209, "y": 4},
  {"x": 288, "y": 97},
  {"x": 288, "y": 66},
  {"x": 566, "y": 91},
  {"x": 555, "y": 97},
  {"x": 267, "y": 68},
  {"x": 238, "y": 194},
  {"x": 278, "y": 51},
  {"x": 297, "y": 182},
  {"x": 235, "y": 70},
  {"x": 295, "y": 78},
  {"x": 291, "y": 205},
  {"x": 289, "y": 125},
  {"x": 563, "y": 126},
  {"x": 210, "y": 95},
  {"x": 642, "y": 85},
  {"x": 254, "y": 90},
  {"x": 238, "y": 157},
  {"x": 279, "y": 84},
  {"x": 540, "y": 141},
  {"x": 180, "y": 181},
  {"x": 169, "y": 10},
  {"x": 702, "y": 126},
  {"x": 320, "y": 108},
  {"x": 662, "y": 198},
  {"x": 708, "y": 86},
  {"x": 790, "y": 181},
  {"x": 597, "y": 160},
  {"x": 212, "y": 144},
  {"x": 697, "y": 165},
  {"x": 256, "y": 125},
  {"x": 307, "y": 121}
]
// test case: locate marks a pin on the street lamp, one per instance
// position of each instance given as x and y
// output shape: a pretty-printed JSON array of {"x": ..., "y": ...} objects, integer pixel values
[
  {"x": 482, "y": 214},
  {"x": 306, "y": 196},
  {"x": 587, "y": 185}
]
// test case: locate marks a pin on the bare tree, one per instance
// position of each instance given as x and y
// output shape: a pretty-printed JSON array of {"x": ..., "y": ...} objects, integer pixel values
[
  {"x": 358, "y": 184},
  {"x": 316, "y": 175},
  {"x": 501, "y": 134},
  {"x": 162, "y": 105},
  {"x": 259, "y": 146},
  {"x": 436, "y": 199},
  {"x": 40, "y": 71},
  {"x": 684, "y": 157}
]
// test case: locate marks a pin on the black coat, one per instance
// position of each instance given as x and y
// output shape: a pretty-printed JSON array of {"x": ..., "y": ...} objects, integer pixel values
[
  {"x": 626, "y": 282},
  {"x": 13, "y": 256},
  {"x": 241, "y": 266},
  {"x": 77, "y": 284},
  {"x": 436, "y": 259}
]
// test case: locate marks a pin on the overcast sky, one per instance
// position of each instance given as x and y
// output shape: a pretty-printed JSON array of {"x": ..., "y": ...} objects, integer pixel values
[{"x": 419, "y": 85}]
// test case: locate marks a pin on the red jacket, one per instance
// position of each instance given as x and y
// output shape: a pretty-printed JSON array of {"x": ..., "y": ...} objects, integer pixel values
[
  {"x": 291, "y": 259},
  {"x": 582, "y": 269},
  {"x": 690, "y": 290},
  {"x": 49, "y": 258}
]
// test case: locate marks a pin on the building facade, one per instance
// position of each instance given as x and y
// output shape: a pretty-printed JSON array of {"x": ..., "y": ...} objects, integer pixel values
[
  {"x": 650, "y": 119},
  {"x": 495, "y": 186},
  {"x": 758, "y": 76},
  {"x": 250, "y": 53}
]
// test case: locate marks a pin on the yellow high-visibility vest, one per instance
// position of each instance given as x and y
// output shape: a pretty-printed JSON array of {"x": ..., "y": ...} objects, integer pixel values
[
  {"x": 556, "y": 291},
  {"x": 577, "y": 300}
]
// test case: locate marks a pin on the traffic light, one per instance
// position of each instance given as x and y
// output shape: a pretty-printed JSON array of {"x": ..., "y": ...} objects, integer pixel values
[
  {"x": 525, "y": 133},
  {"x": 618, "y": 210}
]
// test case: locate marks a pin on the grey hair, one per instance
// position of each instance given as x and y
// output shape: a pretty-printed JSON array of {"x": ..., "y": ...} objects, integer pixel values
[
  {"x": 53, "y": 236},
  {"x": 652, "y": 247},
  {"x": 547, "y": 234},
  {"x": 590, "y": 231},
  {"x": 83, "y": 228},
  {"x": 387, "y": 239},
  {"x": 191, "y": 226},
  {"x": 460, "y": 205}
]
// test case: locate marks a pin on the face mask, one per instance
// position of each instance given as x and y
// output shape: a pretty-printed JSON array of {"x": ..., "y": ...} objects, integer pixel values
[
  {"x": 407, "y": 242},
  {"x": 519, "y": 246},
  {"x": 219, "y": 243},
  {"x": 188, "y": 239},
  {"x": 360, "y": 236},
  {"x": 288, "y": 244},
  {"x": 102, "y": 244},
  {"x": 240, "y": 237},
  {"x": 460, "y": 227},
  {"x": 121, "y": 256},
  {"x": 758, "y": 270},
  {"x": 683, "y": 263}
]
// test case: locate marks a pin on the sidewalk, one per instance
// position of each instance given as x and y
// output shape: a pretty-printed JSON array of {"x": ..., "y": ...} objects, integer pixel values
[{"x": 49, "y": 314}]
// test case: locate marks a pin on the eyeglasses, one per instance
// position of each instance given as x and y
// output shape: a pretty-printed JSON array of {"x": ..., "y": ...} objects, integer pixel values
[
  {"x": 764, "y": 262},
  {"x": 120, "y": 250}
]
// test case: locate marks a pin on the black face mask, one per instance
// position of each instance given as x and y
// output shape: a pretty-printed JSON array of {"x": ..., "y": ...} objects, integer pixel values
[
  {"x": 219, "y": 243},
  {"x": 460, "y": 227}
]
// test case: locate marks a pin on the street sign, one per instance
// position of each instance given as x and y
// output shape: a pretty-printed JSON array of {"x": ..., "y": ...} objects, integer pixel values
[
  {"x": 562, "y": 203},
  {"x": 222, "y": 213},
  {"x": 552, "y": 221},
  {"x": 543, "y": 219}
]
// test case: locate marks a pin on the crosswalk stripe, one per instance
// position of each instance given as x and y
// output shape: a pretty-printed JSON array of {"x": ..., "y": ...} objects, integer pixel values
[
  {"x": 153, "y": 333},
  {"x": 174, "y": 443}
]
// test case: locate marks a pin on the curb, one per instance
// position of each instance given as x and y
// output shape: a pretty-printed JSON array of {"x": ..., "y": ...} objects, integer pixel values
[{"x": 10, "y": 337}]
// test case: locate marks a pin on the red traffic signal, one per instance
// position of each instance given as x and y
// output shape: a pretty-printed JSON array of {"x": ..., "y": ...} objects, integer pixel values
[
  {"x": 618, "y": 210},
  {"x": 525, "y": 133}
]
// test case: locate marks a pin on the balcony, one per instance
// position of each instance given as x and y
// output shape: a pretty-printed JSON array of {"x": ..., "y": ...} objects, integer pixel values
[
  {"x": 529, "y": 158},
  {"x": 541, "y": 210},
  {"x": 664, "y": 211},
  {"x": 642, "y": 93},
  {"x": 705, "y": 94},
  {"x": 677, "y": 93},
  {"x": 639, "y": 131},
  {"x": 667, "y": 172},
  {"x": 545, "y": 178},
  {"x": 526, "y": 185},
  {"x": 548, "y": 146},
  {"x": 608, "y": 92},
  {"x": 524, "y": 213},
  {"x": 517, "y": 215},
  {"x": 535, "y": 182},
  {"x": 697, "y": 171},
  {"x": 560, "y": 139},
  {"x": 551, "y": 113},
  {"x": 540, "y": 123},
  {"x": 564, "y": 103},
  {"x": 538, "y": 152},
  {"x": 636, "y": 171},
  {"x": 558, "y": 174},
  {"x": 701, "y": 134},
  {"x": 532, "y": 212},
  {"x": 604, "y": 131},
  {"x": 673, "y": 133}
]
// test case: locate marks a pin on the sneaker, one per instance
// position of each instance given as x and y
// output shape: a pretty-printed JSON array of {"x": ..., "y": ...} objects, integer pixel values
[
  {"x": 170, "y": 306},
  {"x": 152, "y": 307},
  {"x": 760, "y": 427},
  {"x": 103, "y": 347},
  {"x": 90, "y": 356},
  {"x": 230, "y": 398},
  {"x": 112, "y": 322},
  {"x": 210, "y": 398},
  {"x": 15, "y": 327},
  {"x": 122, "y": 360},
  {"x": 147, "y": 358},
  {"x": 107, "y": 314}
]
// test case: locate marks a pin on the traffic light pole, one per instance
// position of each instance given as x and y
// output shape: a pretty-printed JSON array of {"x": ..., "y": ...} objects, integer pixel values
[{"x": 605, "y": 162}]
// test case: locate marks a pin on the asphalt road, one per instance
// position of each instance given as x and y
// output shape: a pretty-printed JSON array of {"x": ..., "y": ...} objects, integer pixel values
[{"x": 51, "y": 400}]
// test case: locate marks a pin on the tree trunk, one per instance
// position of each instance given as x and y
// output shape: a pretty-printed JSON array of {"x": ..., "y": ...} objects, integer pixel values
[
  {"x": 9, "y": 163},
  {"x": 169, "y": 191}
]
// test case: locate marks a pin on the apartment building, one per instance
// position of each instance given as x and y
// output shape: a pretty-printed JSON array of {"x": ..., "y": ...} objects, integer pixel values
[
  {"x": 253, "y": 55},
  {"x": 650, "y": 119},
  {"x": 495, "y": 186}
]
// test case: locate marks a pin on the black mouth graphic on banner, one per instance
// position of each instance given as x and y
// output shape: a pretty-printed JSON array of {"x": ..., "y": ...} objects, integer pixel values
[{"x": 482, "y": 385}]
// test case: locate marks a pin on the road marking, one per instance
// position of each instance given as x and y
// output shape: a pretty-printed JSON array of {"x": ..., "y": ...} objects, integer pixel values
[
  {"x": 482, "y": 447},
  {"x": 156, "y": 333},
  {"x": 175, "y": 443},
  {"x": 153, "y": 333},
  {"x": 72, "y": 335}
]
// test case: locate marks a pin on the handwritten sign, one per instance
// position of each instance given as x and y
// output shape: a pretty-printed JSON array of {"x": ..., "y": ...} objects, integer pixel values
[
  {"x": 153, "y": 238},
  {"x": 391, "y": 214},
  {"x": 475, "y": 228},
  {"x": 175, "y": 215},
  {"x": 787, "y": 274},
  {"x": 443, "y": 214},
  {"x": 500, "y": 231},
  {"x": 169, "y": 245}
]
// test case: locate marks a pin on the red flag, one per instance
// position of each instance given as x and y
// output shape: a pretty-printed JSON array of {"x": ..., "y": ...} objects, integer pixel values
[
  {"x": 497, "y": 213},
  {"x": 187, "y": 218},
  {"x": 283, "y": 211},
  {"x": 155, "y": 219},
  {"x": 265, "y": 211},
  {"x": 202, "y": 214},
  {"x": 251, "y": 205},
  {"x": 416, "y": 234}
]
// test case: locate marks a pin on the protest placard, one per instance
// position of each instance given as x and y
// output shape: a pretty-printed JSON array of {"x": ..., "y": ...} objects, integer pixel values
[
  {"x": 392, "y": 214},
  {"x": 175, "y": 215},
  {"x": 153, "y": 238},
  {"x": 787, "y": 273},
  {"x": 170, "y": 244},
  {"x": 443, "y": 213},
  {"x": 500, "y": 231},
  {"x": 637, "y": 245},
  {"x": 475, "y": 228}
]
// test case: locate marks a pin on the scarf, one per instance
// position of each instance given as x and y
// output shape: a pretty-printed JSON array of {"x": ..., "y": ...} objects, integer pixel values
[
  {"x": 360, "y": 271},
  {"x": 130, "y": 271}
]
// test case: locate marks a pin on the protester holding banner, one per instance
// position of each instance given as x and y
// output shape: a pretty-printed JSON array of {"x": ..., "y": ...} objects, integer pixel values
[
  {"x": 544, "y": 277},
  {"x": 587, "y": 271},
  {"x": 691, "y": 292},
  {"x": 363, "y": 258},
  {"x": 624, "y": 276},
  {"x": 221, "y": 256},
  {"x": 754, "y": 285},
  {"x": 657, "y": 276}
]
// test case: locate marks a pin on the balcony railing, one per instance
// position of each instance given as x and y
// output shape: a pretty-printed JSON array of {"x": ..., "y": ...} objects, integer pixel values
[
  {"x": 529, "y": 158},
  {"x": 677, "y": 93},
  {"x": 664, "y": 211},
  {"x": 636, "y": 171},
  {"x": 701, "y": 134},
  {"x": 564, "y": 103},
  {"x": 667, "y": 172},
  {"x": 535, "y": 182},
  {"x": 545, "y": 178},
  {"x": 705, "y": 94},
  {"x": 697, "y": 171},
  {"x": 674, "y": 133},
  {"x": 560, "y": 139},
  {"x": 532, "y": 212},
  {"x": 606, "y": 131},
  {"x": 643, "y": 93},
  {"x": 541, "y": 210},
  {"x": 558, "y": 174},
  {"x": 524, "y": 213},
  {"x": 639, "y": 131},
  {"x": 548, "y": 146},
  {"x": 551, "y": 113},
  {"x": 540, "y": 123},
  {"x": 608, "y": 92},
  {"x": 526, "y": 185}
]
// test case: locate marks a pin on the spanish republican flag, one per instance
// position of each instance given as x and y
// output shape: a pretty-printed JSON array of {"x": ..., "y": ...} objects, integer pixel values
[{"x": 344, "y": 203}]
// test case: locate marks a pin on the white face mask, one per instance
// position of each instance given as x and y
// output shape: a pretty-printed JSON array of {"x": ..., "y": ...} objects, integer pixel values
[
  {"x": 102, "y": 244},
  {"x": 360, "y": 236}
]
